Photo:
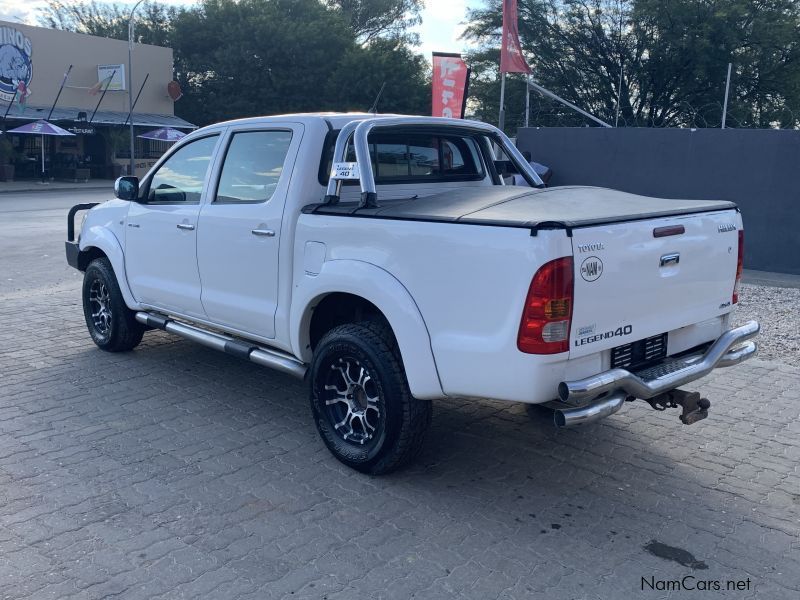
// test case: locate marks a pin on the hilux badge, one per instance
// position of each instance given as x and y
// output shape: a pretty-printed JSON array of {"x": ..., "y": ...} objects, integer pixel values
[
  {"x": 725, "y": 227},
  {"x": 591, "y": 268}
]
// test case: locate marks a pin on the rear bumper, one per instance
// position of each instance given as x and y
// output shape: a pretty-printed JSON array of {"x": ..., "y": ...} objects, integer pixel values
[{"x": 731, "y": 348}]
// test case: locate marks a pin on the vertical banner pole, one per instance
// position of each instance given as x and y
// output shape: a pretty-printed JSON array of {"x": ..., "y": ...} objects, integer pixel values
[
  {"x": 502, "y": 118},
  {"x": 619, "y": 95},
  {"x": 466, "y": 94},
  {"x": 131, "y": 164},
  {"x": 527, "y": 98},
  {"x": 727, "y": 91}
]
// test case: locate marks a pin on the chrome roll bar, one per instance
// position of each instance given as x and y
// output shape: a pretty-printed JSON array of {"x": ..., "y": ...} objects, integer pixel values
[
  {"x": 334, "y": 184},
  {"x": 360, "y": 129}
]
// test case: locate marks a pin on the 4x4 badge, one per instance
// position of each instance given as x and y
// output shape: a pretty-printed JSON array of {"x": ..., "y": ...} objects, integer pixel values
[{"x": 591, "y": 268}]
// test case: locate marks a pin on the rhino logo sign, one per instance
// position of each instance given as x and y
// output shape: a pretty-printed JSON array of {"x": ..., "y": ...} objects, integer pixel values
[
  {"x": 591, "y": 268},
  {"x": 15, "y": 62}
]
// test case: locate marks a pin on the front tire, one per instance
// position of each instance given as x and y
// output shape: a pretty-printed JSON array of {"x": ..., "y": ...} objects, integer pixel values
[
  {"x": 361, "y": 402},
  {"x": 112, "y": 325}
]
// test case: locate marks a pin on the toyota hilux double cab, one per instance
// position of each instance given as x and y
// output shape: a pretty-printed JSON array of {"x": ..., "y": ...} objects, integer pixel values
[{"x": 384, "y": 259}]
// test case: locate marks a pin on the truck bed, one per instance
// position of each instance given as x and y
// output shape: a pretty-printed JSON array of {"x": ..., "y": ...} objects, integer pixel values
[{"x": 510, "y": 206}]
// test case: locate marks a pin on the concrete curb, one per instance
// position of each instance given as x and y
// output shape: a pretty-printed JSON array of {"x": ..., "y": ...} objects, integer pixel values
[{"x": 59, "y": 187}]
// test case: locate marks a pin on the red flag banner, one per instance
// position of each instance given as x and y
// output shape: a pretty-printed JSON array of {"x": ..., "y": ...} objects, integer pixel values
[
  {"x": 450, "y": 82},
  {"x": 511, "y": 59},
  {"x": 22, "y": 95}
]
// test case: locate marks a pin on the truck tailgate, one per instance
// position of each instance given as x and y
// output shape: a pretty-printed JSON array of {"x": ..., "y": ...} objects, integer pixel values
[{"x": 634, "y": 280}]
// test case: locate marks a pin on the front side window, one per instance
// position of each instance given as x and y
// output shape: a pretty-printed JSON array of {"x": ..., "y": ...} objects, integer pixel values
[
  {"x": 253, "y": 166},
  {"x": 180, "y": 179}
]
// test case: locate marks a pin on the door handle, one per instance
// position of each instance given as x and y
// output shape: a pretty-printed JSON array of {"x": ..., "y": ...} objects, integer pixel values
[
  {"x": 670, "y": 259},
  {"x": 186, "y": 226},
  {"x": 263, "y": 232}
]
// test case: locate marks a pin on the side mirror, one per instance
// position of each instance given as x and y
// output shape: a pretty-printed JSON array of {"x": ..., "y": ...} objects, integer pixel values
[{"x": 127, "y": 188}]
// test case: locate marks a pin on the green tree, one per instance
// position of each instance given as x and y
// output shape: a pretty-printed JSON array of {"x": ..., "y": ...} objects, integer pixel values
[
  {"x": 689, "y": 44},
  {"x": 276, "y": 56},
  {"x": 379, "y": 18},
  {"x": 357, "y": 79},
  {"x": 672, "y": 55},
  {"x": 239, "y": 58},
  {"x": 153, "y": 20}
]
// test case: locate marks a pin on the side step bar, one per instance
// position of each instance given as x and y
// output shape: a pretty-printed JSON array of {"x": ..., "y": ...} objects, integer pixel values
[{"x": 267, "y": 357}]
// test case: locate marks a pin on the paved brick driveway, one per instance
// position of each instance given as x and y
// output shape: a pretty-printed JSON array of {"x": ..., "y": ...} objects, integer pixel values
[{"x": 178, "y": 472}]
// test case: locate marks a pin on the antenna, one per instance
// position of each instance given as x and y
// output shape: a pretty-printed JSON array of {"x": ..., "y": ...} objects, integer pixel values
[{"x": 374, "y": 108}]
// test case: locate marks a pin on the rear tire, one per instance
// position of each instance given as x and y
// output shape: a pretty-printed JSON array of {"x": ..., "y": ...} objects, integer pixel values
[
  {"x": 361, "y": 402},
  {"x": 112, "y": 325}
]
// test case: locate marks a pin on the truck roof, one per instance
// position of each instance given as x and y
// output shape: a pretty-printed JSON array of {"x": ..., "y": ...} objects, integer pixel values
[{"x": 336, "y": 119}]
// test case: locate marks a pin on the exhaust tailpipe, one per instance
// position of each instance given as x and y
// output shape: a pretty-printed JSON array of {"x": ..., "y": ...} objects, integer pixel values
[{"x": 594, "y": 411}]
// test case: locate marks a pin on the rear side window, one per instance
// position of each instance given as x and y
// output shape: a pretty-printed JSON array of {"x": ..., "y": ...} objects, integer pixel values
[
  {"x": 413, "y": 158},
  {"x": 253, "y": 166}
]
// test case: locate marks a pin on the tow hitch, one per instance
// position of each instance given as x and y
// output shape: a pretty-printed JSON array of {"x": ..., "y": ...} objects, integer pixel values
[{"x": 694, "y": 407}]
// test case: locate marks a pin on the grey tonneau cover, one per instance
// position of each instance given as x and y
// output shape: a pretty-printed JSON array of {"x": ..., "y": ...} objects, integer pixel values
[{"x": 512, "y": 206}]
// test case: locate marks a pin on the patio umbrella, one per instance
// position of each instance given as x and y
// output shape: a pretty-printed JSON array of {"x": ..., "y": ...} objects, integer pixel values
[
  {"x": 41, "y": 128},
  {"x": 163, "y": 134}
]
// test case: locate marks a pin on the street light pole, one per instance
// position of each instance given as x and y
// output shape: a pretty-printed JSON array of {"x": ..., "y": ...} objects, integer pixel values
[{"x": 130, "y": 79}]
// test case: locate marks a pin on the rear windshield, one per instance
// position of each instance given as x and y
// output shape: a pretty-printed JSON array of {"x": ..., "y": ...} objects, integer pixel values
[{"x": 413, "y": 158}]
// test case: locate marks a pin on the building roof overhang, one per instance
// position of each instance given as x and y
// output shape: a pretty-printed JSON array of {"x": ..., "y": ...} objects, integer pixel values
[{"x": 102, "y": 117}]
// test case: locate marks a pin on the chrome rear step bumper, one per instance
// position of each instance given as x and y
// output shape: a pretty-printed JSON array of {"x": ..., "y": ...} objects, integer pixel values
[
  {"x": 268, "y": 357},
  {"x": 594, "y": 411},
  {"x": 731, "y": 348}
]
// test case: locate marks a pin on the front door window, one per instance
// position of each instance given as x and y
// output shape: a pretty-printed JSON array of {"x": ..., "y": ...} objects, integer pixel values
[{"x": 180, "y": 179}]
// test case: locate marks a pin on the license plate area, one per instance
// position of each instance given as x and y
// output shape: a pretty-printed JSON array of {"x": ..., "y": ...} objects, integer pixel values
[{"x": 640, "y": 353}]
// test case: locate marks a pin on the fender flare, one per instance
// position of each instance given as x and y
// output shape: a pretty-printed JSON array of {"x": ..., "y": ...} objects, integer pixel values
[
  {"x": 104, "y": 240},
  {"x": 391, "y": 297}
]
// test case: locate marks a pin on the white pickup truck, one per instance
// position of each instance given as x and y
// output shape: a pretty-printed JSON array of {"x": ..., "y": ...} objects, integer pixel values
[{"x": 383, "y": 259}]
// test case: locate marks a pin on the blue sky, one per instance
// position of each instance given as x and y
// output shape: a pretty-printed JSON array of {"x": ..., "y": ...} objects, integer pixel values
[{"x": 440, "y": 29}]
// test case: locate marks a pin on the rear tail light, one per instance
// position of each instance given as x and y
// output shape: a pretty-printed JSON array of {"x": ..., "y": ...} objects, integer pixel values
[
  {"x": 739, "y": 268},
  {"x": 547, "y": 314}
]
